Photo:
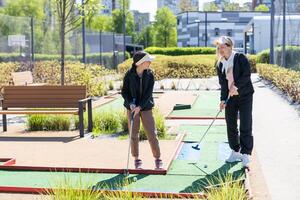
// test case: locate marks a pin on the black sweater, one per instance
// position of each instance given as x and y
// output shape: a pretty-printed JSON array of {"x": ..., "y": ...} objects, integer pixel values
[
  {"x": 138, "y": 88},
  {"x": 241, "y": 75}
]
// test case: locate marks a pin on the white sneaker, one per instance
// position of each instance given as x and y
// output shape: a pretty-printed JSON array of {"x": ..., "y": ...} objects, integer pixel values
[
  {"x": 246, "y": 160},
  {"x": 234, "y": 157}
]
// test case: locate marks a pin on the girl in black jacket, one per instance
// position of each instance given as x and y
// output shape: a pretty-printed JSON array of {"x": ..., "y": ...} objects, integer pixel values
[
  {"x": 138, "y": 99},
  {"x": 235, "y": 79}
]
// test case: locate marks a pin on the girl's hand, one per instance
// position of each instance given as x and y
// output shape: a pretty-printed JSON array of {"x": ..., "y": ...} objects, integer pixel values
[{"x": 136, "y": 110}]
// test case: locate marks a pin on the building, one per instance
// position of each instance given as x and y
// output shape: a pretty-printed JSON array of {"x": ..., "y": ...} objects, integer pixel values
[
  {"x": 174, "y": 5},
  {"x": 192, "y": 26},
  {"x": 109, "y": 6},
  {"x": 141, "y": 20},
  {"x": 257, "y": 32}
]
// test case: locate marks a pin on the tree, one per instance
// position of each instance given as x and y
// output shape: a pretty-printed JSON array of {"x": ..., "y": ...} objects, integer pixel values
[
  {"x": 101, "y": 23},
  {"x": 262, "y": 8},
  {"x": 231, "y": 7},
  {"x": 117, "y": 22},
  {"x": 211, "y": 6},
  {"x": 147, "y": 36},
  {"x": 165, "y": 28},
  {"x": 186, "y": 5},
  {"x": 69, "y": 20},
  {"x": 117, "y": 19},
  {"x": 25, "y": 8}
]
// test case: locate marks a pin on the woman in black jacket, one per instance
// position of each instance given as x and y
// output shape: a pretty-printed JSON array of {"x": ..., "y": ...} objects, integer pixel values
[
  {"x": 235, "y": 79},
  {"x": 137, "y": 93}
]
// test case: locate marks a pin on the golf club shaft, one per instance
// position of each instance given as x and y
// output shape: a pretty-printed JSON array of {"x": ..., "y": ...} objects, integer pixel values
[
  {"x": 226, "y": 101},
  {"x": 130, "y": 133},
  {"x": 209, "y": 126}
]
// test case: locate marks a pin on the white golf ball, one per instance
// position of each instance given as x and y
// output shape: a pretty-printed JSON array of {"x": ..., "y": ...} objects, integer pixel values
[{"x": 134, "y": 179}]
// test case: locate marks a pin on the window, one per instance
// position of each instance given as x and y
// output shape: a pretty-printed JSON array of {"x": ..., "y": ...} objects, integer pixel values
[
  {"x": 217, "y": 31},
  {"x": 229, "y": 32}
]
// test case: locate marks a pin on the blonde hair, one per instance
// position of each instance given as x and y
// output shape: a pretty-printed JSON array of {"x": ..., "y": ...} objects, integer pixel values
[{"x": 228, "y": 41}]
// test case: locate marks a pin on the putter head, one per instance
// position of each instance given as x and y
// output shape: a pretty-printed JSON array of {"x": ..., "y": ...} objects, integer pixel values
[
  {"x": 126, "y": 173},
  {"x": 196, "y": 147}
]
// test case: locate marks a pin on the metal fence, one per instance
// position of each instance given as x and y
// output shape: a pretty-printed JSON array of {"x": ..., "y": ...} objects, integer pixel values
[
  {"x": 26, "y": 40},
  {"x": 287, "y": 33}
]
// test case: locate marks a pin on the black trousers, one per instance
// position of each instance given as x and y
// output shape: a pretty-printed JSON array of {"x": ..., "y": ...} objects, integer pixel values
[{"x": 242, "y": 142}]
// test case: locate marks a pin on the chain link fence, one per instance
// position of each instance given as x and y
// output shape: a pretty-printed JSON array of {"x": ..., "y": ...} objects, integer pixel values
[
  {"x": 287, "y": 35},
  {"x": 26, "y": 40}
]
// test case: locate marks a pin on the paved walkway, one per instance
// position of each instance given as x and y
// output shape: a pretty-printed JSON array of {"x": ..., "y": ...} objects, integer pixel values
[{"x": 277, "y": 136}]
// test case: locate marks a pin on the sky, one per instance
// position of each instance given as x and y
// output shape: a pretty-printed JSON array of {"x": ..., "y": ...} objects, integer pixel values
[{"x": 151, "y": 5}]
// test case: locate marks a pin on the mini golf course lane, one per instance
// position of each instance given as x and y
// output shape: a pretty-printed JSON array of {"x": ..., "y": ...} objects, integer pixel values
[
  {"x": 187, "y": 174},
  {"x": 206, "y": 106},
  {"x": 195, "y": 132},
  {"x": 114, "y": 105}
]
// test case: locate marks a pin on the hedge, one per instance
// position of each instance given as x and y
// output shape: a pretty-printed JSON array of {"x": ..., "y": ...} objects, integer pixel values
[
  {"x": 194, "y": 66},
  {"x": 286, "y": 80},
  {"x": 179, "y": 51},
  {"x": 292, "y": 56},
  {"x": 107, "y": 58},
  {"x": 49, "y": 72}
]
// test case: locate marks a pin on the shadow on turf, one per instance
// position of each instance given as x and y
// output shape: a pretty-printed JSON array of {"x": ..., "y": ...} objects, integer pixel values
[
  {"x": 118, "y": 182},
  {"x": 221, "y": 173}
]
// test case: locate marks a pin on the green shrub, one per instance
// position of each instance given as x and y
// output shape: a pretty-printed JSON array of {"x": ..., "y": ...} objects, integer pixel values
[
  {"x": 35, "y": 122},
  {"x": 292, "y": 56},
  {"x": 195, "y": 66},
  {"x": 107, "y": 58},
  {"x": 159, "y": 125},
  {"x": 75, "y": 74},
  {"x": 111, "y": 85},
  {"x": 106, "y": 122},
  {"x": 5, "y": 73},
  {"x": 48, "y": 122},
  {"x": 179, "y": 51},
  {"x": 228, "y": 188},
  {"x": 285, "y": 79},
  {"x": 123, "y": 121}
]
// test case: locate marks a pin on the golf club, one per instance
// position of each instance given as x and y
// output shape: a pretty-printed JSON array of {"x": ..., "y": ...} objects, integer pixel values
[
  {"x": 126, "y": 172},
  {"x": 196, "y": 147}
]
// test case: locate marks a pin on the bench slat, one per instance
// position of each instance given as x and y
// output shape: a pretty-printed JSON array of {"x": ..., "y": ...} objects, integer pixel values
[
  {"x": 43, "y": 96},
  {"x": 16, "y": 112}
]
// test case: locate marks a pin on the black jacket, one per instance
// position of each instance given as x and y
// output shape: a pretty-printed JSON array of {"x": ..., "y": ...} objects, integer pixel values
[
  {"x": 241, "y": 75},
  {"x": 137, "y": 88}
]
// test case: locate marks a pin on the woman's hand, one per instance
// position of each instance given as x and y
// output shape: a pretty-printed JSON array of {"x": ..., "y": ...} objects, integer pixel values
[
  {"x": 233, "y": 91},
  {"x": 222, "y": 105},
  {"x": 136, "y": 110}
]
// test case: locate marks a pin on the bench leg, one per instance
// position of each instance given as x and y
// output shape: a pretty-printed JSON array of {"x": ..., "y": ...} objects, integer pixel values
[
  {"x": 81, "y": 122},
  {"x": 90, "y": 116},
  {"x": 4, "y": 121}
]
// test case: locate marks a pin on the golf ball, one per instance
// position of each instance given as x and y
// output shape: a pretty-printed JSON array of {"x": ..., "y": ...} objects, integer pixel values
[
  {"x": 134, "y": 179},
  {"x": 205, "y": 166}
]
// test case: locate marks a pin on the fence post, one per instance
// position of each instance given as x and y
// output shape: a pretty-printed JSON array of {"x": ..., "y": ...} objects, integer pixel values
[{"x": 32, "y": 42}]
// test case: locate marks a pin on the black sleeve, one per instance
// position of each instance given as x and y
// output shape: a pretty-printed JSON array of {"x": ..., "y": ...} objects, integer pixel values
[
  {"x": 245, "y": 76},
  {"x": 125, "y": 90},
  {"x": 148, "y": 92},
  {"x": 223, "y": 83}
]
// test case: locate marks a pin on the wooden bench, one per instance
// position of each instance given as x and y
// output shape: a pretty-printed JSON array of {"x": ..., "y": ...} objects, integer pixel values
[{"x": 46, "y": 100}]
